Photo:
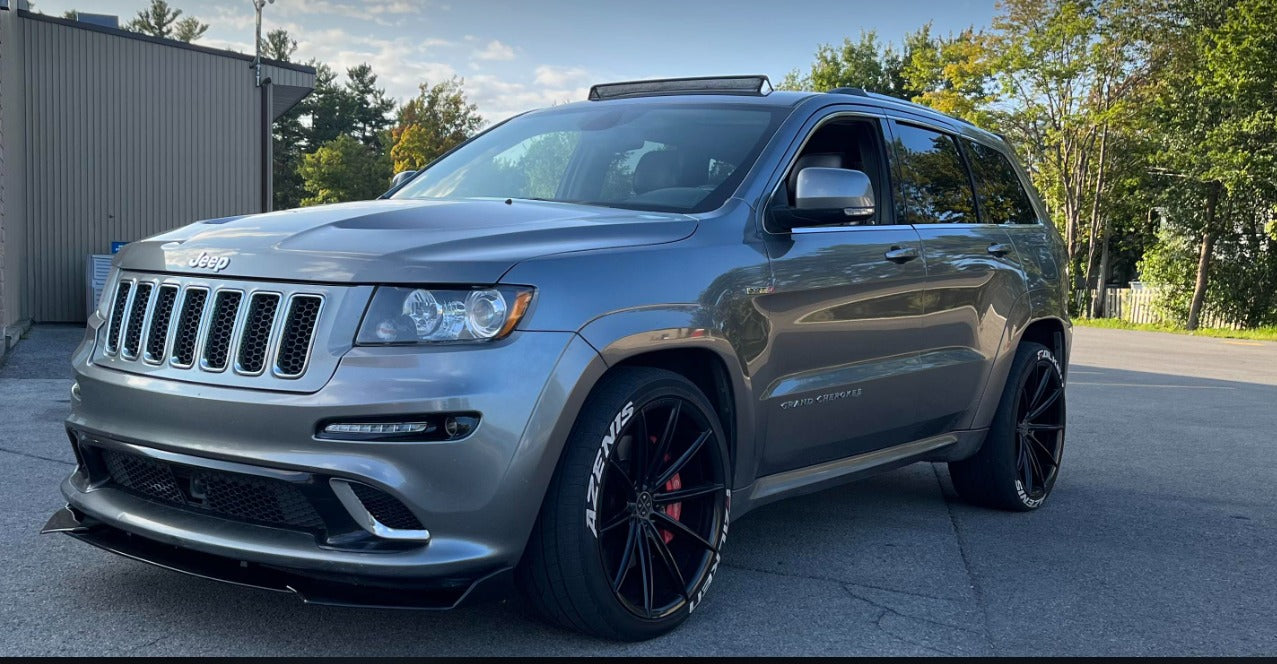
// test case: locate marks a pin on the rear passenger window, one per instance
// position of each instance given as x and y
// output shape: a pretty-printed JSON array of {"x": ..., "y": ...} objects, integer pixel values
[
  {"x": 1002, "y": 196},
  {"x": 934, "y": 183}
]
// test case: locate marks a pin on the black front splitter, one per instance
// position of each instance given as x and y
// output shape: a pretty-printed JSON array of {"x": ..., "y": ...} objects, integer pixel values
[{"x": 311, "y": 587}]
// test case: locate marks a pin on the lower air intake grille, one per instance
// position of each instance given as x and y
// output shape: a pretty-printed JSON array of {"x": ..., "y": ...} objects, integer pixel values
[
  {"x": 385, "y": 508},
  {"x": 236, "y": 496}
]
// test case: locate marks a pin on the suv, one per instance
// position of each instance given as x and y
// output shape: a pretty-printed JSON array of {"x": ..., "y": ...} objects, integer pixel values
[{"x": 567, "y": 351}]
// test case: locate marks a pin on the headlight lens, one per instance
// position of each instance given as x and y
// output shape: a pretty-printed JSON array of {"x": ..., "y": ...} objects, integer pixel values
[{"x": 426, "y": 315}]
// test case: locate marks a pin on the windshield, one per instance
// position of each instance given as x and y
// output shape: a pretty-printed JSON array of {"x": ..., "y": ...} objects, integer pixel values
[{"x": 640, "y": 157}]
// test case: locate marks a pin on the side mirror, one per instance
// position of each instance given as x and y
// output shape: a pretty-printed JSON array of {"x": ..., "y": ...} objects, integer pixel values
[
  {"x": 400, "y": 178},
  {"x": 843, "y": 189}
]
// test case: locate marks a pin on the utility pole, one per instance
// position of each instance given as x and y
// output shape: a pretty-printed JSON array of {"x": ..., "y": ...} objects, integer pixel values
[
  {"x": 268, "y": 159},
  {"x": 257, "y": 41}
]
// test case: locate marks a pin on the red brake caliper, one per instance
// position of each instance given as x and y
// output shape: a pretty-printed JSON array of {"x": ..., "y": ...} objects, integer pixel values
[{"x": 673, "y": 510}]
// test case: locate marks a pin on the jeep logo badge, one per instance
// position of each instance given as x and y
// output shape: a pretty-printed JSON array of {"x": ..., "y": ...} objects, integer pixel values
[{"x": 214, "y": 263}]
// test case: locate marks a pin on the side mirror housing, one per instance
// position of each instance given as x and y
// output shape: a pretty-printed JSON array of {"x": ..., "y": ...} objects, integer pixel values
[
  {"x": 400, "y": 178},
  {"x": 842, "y": 189}
]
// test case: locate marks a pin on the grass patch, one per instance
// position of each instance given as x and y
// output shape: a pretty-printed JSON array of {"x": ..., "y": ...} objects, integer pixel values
[{"x": 1260, "y": 333}]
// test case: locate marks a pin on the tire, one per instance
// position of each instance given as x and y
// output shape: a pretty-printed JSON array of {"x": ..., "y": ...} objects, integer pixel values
[
  {"x": 1016, "y": 467},
  {"x": 597, "y": 525}
]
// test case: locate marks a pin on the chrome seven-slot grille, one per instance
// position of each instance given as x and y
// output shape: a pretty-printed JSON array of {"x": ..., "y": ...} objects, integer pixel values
[{"x": 189, "y": 326}]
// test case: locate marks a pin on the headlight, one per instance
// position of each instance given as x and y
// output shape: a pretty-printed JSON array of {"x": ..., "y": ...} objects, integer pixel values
[{"x": 427, "y": 315}]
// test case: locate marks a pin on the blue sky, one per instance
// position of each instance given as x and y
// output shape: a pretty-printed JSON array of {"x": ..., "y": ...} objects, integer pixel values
[{"x": 520, "y": 55}]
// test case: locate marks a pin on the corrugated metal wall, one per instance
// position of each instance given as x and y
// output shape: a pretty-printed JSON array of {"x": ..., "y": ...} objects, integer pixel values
[
  {"x": 12, "y": 167},
  {"x": 126, "y": 138}
]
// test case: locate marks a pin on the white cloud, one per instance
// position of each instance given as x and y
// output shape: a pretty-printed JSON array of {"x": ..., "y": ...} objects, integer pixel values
[
  {"x": 495, "y": 50},
  {"x": 559, "y": 77}
]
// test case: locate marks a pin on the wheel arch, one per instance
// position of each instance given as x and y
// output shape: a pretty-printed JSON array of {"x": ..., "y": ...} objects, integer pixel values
[
  {"x": 1033, "y": 318},
  {"x": 674, "y": 339}
]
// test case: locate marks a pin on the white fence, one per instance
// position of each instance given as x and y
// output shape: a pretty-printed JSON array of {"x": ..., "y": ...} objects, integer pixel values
[{"x": 1137, "y": 306}]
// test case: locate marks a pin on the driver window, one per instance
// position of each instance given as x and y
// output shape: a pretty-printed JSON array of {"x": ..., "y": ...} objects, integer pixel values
[{"x": 851, "y": 143}]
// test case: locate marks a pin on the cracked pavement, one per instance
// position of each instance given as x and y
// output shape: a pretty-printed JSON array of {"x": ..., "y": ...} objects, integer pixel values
[{"x": 1160, "y": 539}]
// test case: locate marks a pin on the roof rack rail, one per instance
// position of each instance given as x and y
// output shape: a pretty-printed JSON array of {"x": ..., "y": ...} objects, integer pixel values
[
  {"x": 859, "y": 92},
  {"x": 755, "y": 85}
]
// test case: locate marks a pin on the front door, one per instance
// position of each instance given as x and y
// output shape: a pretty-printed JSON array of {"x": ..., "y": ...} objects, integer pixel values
[{"x": 840, "y": 374}]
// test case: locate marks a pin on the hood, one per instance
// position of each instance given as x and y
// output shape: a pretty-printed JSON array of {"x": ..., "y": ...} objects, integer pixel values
[{"x": 398, "y": 241}]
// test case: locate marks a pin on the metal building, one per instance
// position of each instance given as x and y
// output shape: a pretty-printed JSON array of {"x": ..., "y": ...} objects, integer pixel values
[{"x": 111, "y": 136}]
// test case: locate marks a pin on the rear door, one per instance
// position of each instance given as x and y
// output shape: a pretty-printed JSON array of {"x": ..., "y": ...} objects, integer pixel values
[
  {"x": 844, "y": 313},
  {"x": 973, "y": 272}
]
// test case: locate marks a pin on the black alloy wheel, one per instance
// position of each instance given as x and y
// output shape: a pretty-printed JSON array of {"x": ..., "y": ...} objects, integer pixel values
[
  {"x": 1039, "y": 429},
  {"x": 1019, "y": 462},
  {"x": 633, "y": 524},
  {"x": 662, "y": 503}
]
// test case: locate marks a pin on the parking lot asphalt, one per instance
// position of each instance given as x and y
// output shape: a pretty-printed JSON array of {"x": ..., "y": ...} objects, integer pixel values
[{"x": 1160, "y": 539}]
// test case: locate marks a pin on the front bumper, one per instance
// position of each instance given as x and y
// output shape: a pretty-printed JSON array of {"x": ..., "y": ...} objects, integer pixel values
[{"x": 478, "y": 496}]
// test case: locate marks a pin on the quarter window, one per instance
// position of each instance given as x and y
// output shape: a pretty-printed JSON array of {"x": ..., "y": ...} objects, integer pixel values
[
  {"x": 1002, "y": 196},
  {"x": 934, "y": 183}
]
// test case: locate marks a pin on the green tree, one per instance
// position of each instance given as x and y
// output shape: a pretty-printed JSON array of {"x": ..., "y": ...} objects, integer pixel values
[
  {"x": 368, "y": 106},
  {"x": 343, "y": 170},
  {"x": 278, "y": 45},
  {"x": 1218, "y": 155},
  {"x": 432, "y": 123},
  {"x": 863, "y": 63},
  {"x": 161, "y": 20}
]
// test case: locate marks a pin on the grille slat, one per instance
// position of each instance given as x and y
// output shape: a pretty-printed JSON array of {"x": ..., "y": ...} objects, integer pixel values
[
  {"x": 188, "y": 326},
  {"x": 217, "y": 347},
  {"x": 137, "y": 316},
  {"x": 299, "y": 331},
  {"x": 117, "y": 316},
  {"x": 157, "y": 337},
  {"x": 255, "y": 341}
]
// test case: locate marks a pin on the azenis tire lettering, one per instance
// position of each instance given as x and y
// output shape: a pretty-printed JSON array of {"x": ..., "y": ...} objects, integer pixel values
[{"x": 600, "y": 462}]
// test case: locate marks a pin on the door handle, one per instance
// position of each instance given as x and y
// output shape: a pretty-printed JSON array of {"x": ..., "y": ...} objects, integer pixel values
[
  {"x": 901, "y": 254},
  {"x": 999, "y": 249}
]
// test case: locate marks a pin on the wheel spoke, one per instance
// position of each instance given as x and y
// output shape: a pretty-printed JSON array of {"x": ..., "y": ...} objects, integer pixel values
[
  {"x": 663, "y": 444},
  {"x": 645, "y": 569},
  {"x": 639, "y": 447},
  {"x": 1039, "y": 477},
  {"x": 611, "y": 460},
  {"x": 685, "y": 494},
  {"x": 682, "y": 528},
  {"x": 1041, "y": 389},
  {"x": 1045, "y": 427},
  {"x": 1041, "y": 408},
  {"x": 667, "y": 557},
  {"x": 627, "y": 552},
  {"x": 617, "y": 520},
  {"x": 683, "y": 458},
  {"x": 1026, "y": 472},
  {"x": 1050, "y": 457}
]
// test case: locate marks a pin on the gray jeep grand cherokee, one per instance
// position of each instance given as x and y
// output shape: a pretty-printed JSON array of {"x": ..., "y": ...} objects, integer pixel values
[{"x": 568, "y": 351}]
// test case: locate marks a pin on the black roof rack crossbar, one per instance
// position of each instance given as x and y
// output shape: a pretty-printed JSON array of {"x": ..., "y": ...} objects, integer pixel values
[{"x": 716, "y": 85}]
